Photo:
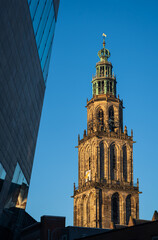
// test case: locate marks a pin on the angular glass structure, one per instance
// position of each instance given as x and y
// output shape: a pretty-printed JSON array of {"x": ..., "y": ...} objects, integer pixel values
[
  {"x": 43, "y": 18},
  {"x": 26, "y": 36}
]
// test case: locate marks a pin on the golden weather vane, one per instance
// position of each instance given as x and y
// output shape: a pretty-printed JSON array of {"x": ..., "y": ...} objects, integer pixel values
[{"x": 104, "y": 35}]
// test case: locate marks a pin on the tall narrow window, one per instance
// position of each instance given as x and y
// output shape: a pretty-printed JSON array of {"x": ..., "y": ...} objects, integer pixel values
[
  {"x": 128, "y": 208},
  {"x": 113, "y": 159},
  {"x": 115, "y": 218},
  {"x": 124, "y": 163},
  {"x": 101, "y": 119},
  {"x": 111, "y": 119},
  {"x": 89, "y": 163},
  {"x": 113, "y": 162},
  {"x": 102, "y": 91},
  {"x": 102, "y": 71},
  {"x": 107, "y": 86},
  {"x": 110, "y": 86},
  {"x": 101, "y": 146},
  {"x": 120, "y": 118}
]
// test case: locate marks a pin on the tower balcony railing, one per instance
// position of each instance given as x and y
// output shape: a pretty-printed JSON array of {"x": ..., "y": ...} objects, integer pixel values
[{"x": 102, "y": 75}]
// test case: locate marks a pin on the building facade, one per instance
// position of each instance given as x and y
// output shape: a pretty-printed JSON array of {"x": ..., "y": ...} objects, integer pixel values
[
  {"x": 105, "y": 191},
  {"x": 26, "y": 36}
]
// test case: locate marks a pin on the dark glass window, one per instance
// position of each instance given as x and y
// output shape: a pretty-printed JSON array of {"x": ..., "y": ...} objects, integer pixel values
[
  {"x": 113, "y": 159},
  {"x": 102, "y": 87},
  {"x": 128, "y": 208},
  {"x": 107, "y": 86},
  {"x": 124, "y": 163},
  {"x": 99, "y": 88},
  {"x": 101, "y": 145},
  {"x": 115, "y": 208},
  {"x": 110, "y": 86},
  {"x": 111, "y": 119},
  {"x": 113, "y": 162},
  {"x": 101, "y": 119}
]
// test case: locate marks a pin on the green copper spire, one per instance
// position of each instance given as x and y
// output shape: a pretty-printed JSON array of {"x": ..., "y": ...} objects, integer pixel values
[
  {"x": 104, "y": 82},
  {"x": 104, "y": 53}
]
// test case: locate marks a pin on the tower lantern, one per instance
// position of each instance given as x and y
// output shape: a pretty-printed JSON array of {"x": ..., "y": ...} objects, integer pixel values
[
  {"x": 105, "y": 192},
  {"x": 104, "y": 81}
]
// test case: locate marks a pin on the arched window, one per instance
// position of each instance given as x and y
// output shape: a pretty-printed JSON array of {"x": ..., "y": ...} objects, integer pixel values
[
  {"x": 115, "y": 218},
  {"x": 111, "y": 119},
  {"x": 113, "y": 162},
  {"x": 128, "y": 208},
  {"x": 100, "y": 117},
  {"x": 101, "y": 146},
  {"x": 124, "y": 163}
]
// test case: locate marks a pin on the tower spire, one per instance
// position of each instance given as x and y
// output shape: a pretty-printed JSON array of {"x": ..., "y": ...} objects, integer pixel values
[
  {"x": 104, "y": 36},
  {"x": 104, "y": 82}
]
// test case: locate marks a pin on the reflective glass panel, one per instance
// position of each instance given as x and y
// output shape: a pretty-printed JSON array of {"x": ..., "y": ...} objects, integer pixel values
[
  {"x": 2, "y": 176},
  {"x": 43, "y": 19},
  {"x": 18, "y": 191},
  {"x": 47, "y": 46},
  {"x": 38, "y": 15},
  {"x": 43, "y": 22}
]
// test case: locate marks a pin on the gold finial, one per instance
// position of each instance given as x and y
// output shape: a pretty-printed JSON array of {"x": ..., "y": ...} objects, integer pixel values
[{"x": 104, "y": 36}]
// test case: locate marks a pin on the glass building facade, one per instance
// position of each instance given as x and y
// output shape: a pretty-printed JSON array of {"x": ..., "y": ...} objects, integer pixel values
[
  {"x": 43, "y": 20},
  {"x": 26, "y": 36}
]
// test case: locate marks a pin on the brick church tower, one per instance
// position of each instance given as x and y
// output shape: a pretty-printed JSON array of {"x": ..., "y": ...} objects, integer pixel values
[{"x": 105, "y": 191}]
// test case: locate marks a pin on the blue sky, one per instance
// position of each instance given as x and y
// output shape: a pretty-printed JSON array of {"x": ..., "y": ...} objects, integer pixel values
[{"x": 132, "y": 38}]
